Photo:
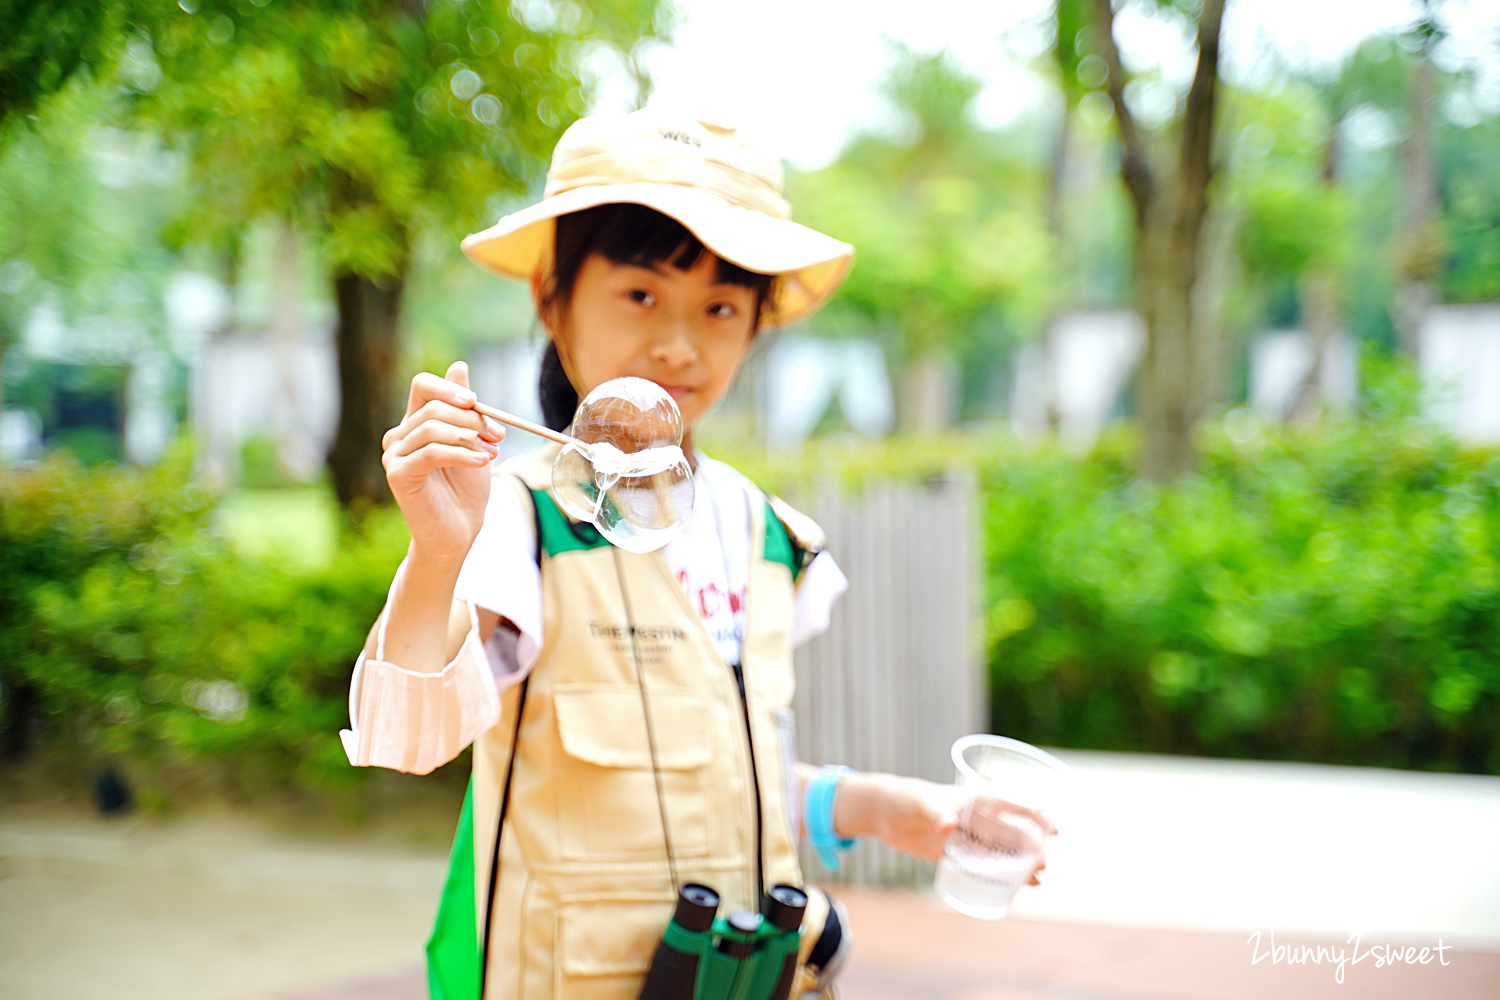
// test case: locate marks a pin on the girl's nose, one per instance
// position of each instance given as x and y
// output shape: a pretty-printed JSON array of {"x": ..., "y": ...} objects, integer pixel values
[{"x": 674, "y": 346}]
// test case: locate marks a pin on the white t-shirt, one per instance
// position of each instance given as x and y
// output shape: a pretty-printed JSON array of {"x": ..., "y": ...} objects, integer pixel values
[{"x": 710, "y": 557}]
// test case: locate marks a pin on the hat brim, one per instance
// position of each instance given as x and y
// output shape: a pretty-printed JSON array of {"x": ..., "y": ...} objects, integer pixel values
[{"x": 809, "y": 265}]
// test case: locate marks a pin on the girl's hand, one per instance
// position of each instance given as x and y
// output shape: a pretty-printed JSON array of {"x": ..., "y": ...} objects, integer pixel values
[
  {"x": 437, "y": 464},
  {"x": 916, "y": 817}
]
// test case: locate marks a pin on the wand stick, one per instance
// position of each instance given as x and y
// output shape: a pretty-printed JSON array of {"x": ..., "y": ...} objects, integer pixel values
[{"x": 522, "y": 424}]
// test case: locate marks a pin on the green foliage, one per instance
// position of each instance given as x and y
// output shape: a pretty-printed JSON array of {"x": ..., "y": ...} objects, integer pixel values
[
  {"x": 363, "y": 123},
  {"x": 1329, "y": 596},
  {"x": 128, "y": 626},
  {"x": 947, "y": 220},
  {"x": 1312, "y": 595},
  {"x": 1471, "y": 211},
  {"x": 1293, "y": 222},
  {"x": 44, "y": 46},
  {"x": 94, "y": 249},
  {"x": 1315, "y": 597}
]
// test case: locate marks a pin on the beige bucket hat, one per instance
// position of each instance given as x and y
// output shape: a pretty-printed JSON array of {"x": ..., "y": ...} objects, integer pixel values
[{"x": 707, "y": 176}]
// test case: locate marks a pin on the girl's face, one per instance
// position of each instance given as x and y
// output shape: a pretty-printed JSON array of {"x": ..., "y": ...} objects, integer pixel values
[{"x": 684, "y": 330}]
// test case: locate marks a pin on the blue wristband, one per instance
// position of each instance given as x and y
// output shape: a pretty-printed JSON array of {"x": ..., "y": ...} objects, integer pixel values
[{"x": 818, "y": 808}]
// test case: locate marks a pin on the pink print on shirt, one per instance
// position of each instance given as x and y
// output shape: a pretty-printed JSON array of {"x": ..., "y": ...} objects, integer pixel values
[
  {"x": 709, "y": 598},
  {"x": 722, "y": 612}
]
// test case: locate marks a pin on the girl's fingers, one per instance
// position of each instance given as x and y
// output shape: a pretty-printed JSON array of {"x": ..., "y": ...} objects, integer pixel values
[
  {"x": 432, "y": 457},
  {"x": 996, "y": 807},
  {"x": 427, "y": 386},
  {"x": 440, "y": 432},
  {"x": 436, "y": 409}
]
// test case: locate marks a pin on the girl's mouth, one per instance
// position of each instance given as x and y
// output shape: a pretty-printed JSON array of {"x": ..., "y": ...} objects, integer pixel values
[{"x": 678, "y": 392}]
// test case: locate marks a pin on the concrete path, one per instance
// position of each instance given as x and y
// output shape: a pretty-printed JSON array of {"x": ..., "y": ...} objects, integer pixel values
[
  {"x": 1238, "y": 846},
  {"x": 1165, "y": 868}
]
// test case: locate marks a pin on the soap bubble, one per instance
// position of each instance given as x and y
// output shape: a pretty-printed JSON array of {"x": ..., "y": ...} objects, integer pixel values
[{"x": 626, "y": 472}]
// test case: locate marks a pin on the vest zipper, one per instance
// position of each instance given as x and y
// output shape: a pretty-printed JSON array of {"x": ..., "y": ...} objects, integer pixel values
[{"x": 760, "y": 875}]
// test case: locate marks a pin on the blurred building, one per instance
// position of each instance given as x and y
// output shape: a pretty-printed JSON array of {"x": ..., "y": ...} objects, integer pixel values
[
  {"x": 806, "y": 377},
  {"x": 102, "y": 386},
  {"x": 284, "y": 390},
  {"x": 1075, "y": 380},
  {"x": 1459, "y": 358},
  {"x": 1281, "y": 370},
  {"x": 505, "y": 376}
]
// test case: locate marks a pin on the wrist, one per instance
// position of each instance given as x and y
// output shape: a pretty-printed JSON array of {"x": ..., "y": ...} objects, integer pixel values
[
  {"x": 824, "y": 790},
  {"x": 436, "y": 561},
  {"x": 859, "y": 808}
]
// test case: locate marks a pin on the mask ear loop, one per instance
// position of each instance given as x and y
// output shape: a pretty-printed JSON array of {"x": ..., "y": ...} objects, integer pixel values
[{"x": 640, "y": 679}]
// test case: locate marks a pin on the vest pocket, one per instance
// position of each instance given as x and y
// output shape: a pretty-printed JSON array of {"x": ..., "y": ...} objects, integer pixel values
[
  {"x": 608, "y": 807},
  {"x": 605, "y": 945}
]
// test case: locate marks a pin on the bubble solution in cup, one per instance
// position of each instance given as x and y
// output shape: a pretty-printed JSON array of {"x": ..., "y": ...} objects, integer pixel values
[
  {"x": 626, "y": 473},
  {"x": 987, "y": 860}
]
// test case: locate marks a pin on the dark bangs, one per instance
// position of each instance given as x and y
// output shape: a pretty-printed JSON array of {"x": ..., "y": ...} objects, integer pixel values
[{"x": 635, "y": 234}]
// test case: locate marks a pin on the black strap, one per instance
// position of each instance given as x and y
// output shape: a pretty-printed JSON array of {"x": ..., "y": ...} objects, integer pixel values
[
  {"x": 640, "y": 680},
  {"x": 489, "y": 907},
  {"x": 510, "y": 770}
]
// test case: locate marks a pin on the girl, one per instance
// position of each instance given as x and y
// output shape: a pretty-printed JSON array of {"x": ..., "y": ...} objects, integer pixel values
[{"x": 630, "y": 714}]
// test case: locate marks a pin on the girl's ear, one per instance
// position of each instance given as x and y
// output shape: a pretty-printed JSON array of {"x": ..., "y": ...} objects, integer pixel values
[{"x": 544, "y": 311}]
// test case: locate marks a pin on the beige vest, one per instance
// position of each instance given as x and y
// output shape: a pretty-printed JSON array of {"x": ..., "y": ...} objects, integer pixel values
[{"x": 583, "y": 891}]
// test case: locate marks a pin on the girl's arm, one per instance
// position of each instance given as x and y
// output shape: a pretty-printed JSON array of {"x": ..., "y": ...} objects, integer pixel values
[
  {"x": 416, "y": 703},
  {"x": 437, "y": 464},
  {"x": 453, "y": 634},
  {"x": 908, "y": 814}
]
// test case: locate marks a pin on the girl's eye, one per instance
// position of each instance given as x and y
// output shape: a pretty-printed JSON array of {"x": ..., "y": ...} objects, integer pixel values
[
  {"x": 641, "y": 297},
  {"x": 722, "y": 310}
]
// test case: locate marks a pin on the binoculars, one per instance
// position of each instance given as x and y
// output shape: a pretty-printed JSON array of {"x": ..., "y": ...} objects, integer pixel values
[{"x": 743, "y": 956}]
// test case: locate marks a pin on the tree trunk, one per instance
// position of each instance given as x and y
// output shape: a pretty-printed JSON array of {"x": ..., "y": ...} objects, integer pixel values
[
  {"x": 929, "y": 395},
  {"x": 1419, "y": 247},
  {"x": 1321, "y": 295},
  {"x": 1320, "y": 319},
  {"x": 296, "y": 454},
  {"x": 1176, "y": 378},
  {"x": 1172, "y": 382},
  {"x": 2, "y": 388},
  {"x": 368, "y": 317}
]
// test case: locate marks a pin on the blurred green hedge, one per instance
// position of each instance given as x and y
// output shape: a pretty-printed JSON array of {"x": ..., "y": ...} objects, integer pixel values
[
  {"x": 1320, "y": 594},
  {"x": 1327, "y": 595},
  {"x": 1323, "y": 597},
  {"x": 129, "y": 628}
]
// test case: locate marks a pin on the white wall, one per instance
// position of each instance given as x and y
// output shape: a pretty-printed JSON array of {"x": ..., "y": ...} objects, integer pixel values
[
  {"x": 804, "y": 375},
  {"x": 247, "y": 385},
  {"x": 1079, "y": 374},
  {"x": 1459, "y": 358},
  {"x": 1280, "y": 361}
]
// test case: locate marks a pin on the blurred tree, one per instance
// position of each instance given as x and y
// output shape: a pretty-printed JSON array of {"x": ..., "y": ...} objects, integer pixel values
[
  {"x": 949, "y": 231},
  {"x": 1179, "y": 369},
  {"x": 1070, "y": 31},
  {"x": 44, "y": 45},
  {"x": 1418, "y": 248},
  {"x": 1471, "y": 211},
  {"x": 1294, "y": 225},
  {"x": 362, "y": 123},
  {"x": 80, "y": 205}
]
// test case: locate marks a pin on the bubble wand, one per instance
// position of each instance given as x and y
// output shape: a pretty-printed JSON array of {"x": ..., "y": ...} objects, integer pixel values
[{"x": 521, "y": 423}]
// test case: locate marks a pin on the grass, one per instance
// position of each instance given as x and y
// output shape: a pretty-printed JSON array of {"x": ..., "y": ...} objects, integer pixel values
[{"x": 296, "y": 523}]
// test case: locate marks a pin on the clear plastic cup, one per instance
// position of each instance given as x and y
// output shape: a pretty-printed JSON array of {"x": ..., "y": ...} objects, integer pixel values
[{"x": 994, "y": 850}]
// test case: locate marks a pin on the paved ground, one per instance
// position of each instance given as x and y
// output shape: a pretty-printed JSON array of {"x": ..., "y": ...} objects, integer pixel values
[{"x": 1165, "y": 868}]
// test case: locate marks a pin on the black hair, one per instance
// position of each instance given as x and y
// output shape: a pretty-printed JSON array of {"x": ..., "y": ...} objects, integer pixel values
[{"x": 624, "y": 234}]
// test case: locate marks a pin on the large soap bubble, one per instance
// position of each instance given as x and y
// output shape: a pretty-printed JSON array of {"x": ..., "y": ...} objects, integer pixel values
[{"x": 624, "y": 471}]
